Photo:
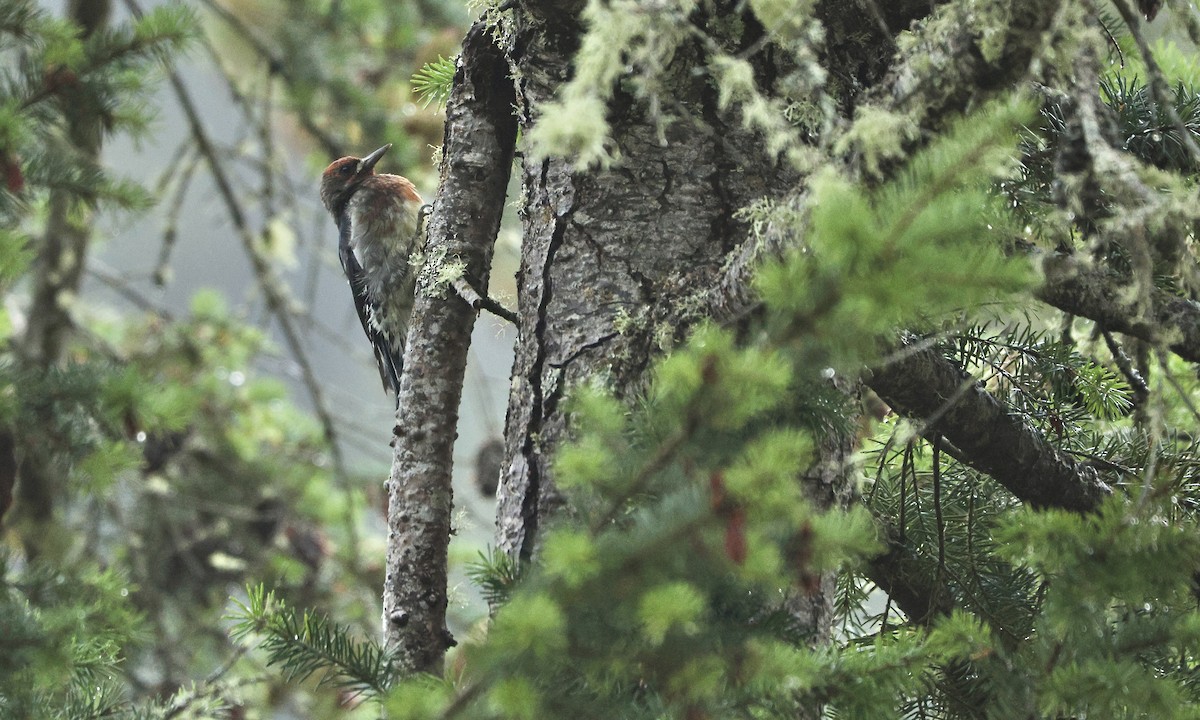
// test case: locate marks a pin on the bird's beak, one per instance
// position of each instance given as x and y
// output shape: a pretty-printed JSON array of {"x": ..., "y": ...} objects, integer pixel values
[{"x": 368, "y": 163}]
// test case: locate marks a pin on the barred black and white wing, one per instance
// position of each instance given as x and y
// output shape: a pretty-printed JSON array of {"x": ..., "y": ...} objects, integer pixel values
[{"x": 389, "y": 360}]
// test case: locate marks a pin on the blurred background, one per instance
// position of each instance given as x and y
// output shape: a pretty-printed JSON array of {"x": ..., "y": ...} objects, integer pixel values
[
  {"x": 249, "y": 442},
  {"x": 282, "y": 88}
]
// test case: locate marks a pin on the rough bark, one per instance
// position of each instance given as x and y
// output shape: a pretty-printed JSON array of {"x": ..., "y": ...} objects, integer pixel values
[
  {"x": 580, "y": 229},
  {"x": 1101, "y": 295},
  {"x": 478, "y": 153},
  {"x": 597, "y": 243},
  {"x": 920, "y": 383},
  {"x": 609, "y": 249}
]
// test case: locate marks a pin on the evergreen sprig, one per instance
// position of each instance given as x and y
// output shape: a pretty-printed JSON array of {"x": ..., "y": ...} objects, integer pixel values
[
  {"x": 916, "y": 249},
  {"x": 495, "y": 574},
  {"x": 304, "y": 643},
  {"x": 1145, "y": 127},
  {"x": 1047, "y": 380},
  {"x": 434, "y": 80}
]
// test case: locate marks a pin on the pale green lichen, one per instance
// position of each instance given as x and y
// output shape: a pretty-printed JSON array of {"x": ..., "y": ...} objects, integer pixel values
[
  {"x": 878, "y": 136},
  {"x": 621, "y": 35},
  {"x": 635, "y": 44},
  {"x": 734, "y": 78},
  {"x": 631, "y": 323},
  {"x": 664, "y": 336},
  {"x": 428, "y": 269},
  {"x": 451, "y": 271},
  {"x": 785, "y": 19}
]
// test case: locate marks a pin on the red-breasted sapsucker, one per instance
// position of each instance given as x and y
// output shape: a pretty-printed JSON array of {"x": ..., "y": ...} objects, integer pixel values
[{"x": 378, "y": 219}]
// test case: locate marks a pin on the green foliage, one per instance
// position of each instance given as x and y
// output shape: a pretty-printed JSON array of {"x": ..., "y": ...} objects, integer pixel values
[
  {"x": 686, "y": 514},
  {"x": 434, "y": 80},
  {"x": 345, "y": 68},
  {"x": 496, "y": 575},
  {"x": 307, "y": 643},
  {"x": 1146, "y": 129},
  {"x": 855, "y": 280},
  {"x": 155, "y": 449},
  {"x": 64, "y": 631},
  {"x": 1143, "y": 128},
  {"x": 677, "y": 583},
  {"x": 1111, "y": 637},
  {"x": 63, "y": 76},
  {"x": 1089, "y": 614},
  {"x": 1051, "y": 382}
]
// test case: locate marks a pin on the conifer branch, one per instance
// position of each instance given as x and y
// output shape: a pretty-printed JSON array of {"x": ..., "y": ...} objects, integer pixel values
[
  {"x": 1101, "y": 295},
  {"x": 920, "y": 383},
  {"x": 307, "y": 643},
  {"x": 274, "y": 291},
  {"x": 1158, "y": 83}
]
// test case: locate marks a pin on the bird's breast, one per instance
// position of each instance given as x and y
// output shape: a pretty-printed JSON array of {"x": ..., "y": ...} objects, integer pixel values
[{"x": 383, "y": 217}]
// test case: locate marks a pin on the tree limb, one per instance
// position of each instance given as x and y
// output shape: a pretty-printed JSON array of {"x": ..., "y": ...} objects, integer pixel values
[
  {"x": 905, "y": 578},
  {"x": 1099, "y": 294},
  {"x": 476, "y": 162},
  {"x": 919, "y": 383}
]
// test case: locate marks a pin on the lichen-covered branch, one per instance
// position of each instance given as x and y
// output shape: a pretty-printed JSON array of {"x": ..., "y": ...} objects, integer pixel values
[
  {"x": 477, "y": 158},
  {"x": 920, "y": 383},
  {"x": 963, "y": 53},
  {"x": 1098, "y": 294}
]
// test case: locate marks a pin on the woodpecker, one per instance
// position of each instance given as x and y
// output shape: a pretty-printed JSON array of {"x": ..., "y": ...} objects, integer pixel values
[{"x": 378, "y": 219}]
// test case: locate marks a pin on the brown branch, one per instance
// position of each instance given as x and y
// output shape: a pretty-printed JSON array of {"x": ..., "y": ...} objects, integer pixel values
[
  {"x": 1100, "y": 295},
  {"x": 920, "y": 383},
  {"x": 477, "y": 159},
  {"x": 974, "y": 59},
  {"x": 906, "y": 580},
  {"x": 481, "y": 301}
]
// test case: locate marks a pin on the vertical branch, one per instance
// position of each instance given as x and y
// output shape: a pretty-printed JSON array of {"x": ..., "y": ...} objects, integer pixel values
[
  {"x": 57, "y": 272},
  {"x": 477, "y": 158},
  {"x": 68, "y": 227}
]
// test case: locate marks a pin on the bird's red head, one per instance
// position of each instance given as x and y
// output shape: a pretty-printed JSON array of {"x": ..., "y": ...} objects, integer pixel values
[{"x": 344, "y": 175}]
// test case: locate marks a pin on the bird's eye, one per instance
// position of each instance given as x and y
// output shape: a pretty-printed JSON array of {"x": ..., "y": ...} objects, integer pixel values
[{"x": 346, "y": 169}]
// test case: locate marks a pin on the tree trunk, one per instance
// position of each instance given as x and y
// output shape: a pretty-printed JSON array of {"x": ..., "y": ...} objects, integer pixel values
[
  {"x": 605, "y": 254},
  {"x": 615, "y": 259},
  {"x": 58, "y": 270},
  {"x": 477, "y": 157},
  {"x": 619, "y": 262}
]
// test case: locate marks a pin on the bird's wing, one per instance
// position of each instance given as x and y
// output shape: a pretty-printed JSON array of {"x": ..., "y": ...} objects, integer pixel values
[{"x": 389, "y": 361}]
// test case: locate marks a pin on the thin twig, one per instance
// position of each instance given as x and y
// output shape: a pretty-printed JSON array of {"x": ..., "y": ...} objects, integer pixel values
[
  {"x": 124, "y": 288},
  {"x": 277, "y": 66},
  {"x": 188, "y": 163},
  {"x": 937, "y": 505},
  {"x": 1141, "y": 390},
  {"x": 476, "y": 300}
]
